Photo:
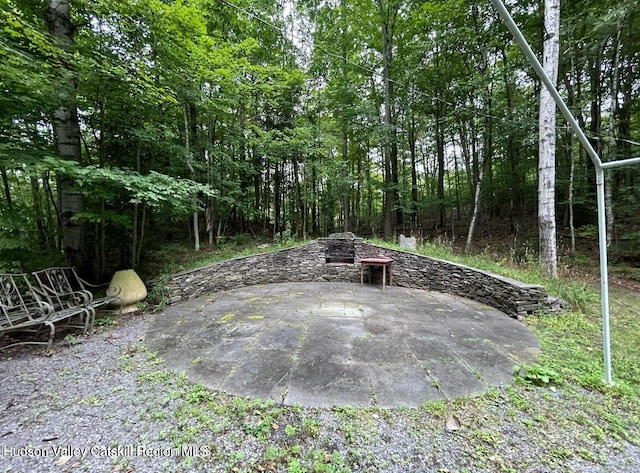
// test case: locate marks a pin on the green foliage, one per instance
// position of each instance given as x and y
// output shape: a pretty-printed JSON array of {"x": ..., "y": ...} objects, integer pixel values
[
  {"x": 536, "y": 374},
  {"x": 106, "y": 321},
  {"x": 183, "y": 102},
  {"x": 158, "y": 297},
  {"x": 154, "y": 189},
  {"x": 21, "y": 245},
  {"x": 13, "y": 243}
]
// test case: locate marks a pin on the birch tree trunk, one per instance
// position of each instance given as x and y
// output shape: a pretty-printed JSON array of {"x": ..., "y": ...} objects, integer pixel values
[
  {"x": 547, "y": 143},
  {"x": 67, "y": 136},
  {"x": 476, "y": 210}
]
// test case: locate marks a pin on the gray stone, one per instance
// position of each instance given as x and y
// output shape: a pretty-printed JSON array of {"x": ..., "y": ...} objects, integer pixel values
[
  {"x": 309, "y": 263},
  {"x": 408, "y": 242},
  {"x": 260, "y": 375},
  {"x": 325, "y": 384},
  {"x": 453, "y": 379},
  {"x": 397, "y": 385},
  {"x": 307, "y": 346}
]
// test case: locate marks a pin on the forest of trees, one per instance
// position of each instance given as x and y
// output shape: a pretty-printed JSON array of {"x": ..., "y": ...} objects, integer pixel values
[{"x": 128, "y": 122}]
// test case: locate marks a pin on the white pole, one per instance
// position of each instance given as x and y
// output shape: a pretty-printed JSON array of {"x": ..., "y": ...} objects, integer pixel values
[
  {"x": 624, "y": 162},
  {"x": 604, "y": 278},
  {"x": 602, "y": 227}
]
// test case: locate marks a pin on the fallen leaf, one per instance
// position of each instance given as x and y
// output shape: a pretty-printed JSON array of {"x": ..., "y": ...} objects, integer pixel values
[
  {"x": 63, "y": 460},
  {"x": 274, "y": 426},
  {"x": 452, "y": 423}
]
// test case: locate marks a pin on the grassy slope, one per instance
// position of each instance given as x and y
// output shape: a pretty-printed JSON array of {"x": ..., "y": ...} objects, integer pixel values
[{"x": 573, "y": 423}]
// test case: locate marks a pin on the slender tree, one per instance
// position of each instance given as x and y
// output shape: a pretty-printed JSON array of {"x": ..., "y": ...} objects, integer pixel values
[
  {"x": 67, "y": 133},
  {"x": 388, "y": 11},
  {"x": 547, "y": 143}
]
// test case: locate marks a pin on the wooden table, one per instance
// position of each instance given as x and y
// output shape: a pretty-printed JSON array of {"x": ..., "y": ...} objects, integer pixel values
[{"x": 379, "y": 261}]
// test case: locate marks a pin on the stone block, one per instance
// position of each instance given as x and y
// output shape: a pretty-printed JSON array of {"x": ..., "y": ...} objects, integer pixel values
[{"x": 408, "y": 242}]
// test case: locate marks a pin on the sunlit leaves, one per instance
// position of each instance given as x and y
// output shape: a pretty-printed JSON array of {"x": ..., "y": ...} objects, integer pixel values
[{"x": 154, "y": 189}]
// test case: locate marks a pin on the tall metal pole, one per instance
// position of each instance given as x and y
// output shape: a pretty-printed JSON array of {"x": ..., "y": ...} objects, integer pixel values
[
  {"x": 604, "y": 275},
  {"x": 602, "y": 227}
]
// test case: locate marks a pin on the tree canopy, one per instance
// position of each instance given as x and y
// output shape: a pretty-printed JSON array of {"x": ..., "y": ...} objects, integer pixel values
[{"x": 287, "y": 119}]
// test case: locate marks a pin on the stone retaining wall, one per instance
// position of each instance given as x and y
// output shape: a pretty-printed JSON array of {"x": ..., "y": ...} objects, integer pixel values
[{"x": 308, "y": 263}]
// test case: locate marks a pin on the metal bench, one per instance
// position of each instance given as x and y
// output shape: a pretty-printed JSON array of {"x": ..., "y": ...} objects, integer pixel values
[
  {"x": 22, "y": 310},
  {"x": 63, "y": 288}
]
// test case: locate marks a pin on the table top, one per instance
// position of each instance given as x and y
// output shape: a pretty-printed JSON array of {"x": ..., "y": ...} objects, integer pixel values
[{"x": 378, "y": 260}]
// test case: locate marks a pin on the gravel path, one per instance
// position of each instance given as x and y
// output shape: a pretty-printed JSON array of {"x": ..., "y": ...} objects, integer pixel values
[{"x": 104, "y": 403}]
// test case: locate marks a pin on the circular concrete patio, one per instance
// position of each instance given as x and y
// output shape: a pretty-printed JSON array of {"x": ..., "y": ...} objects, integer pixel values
[{"x": 326, "y": 344}]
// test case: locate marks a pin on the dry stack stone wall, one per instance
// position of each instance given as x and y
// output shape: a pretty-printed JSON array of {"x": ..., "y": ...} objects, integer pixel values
[{"x": 312, "y": 262}]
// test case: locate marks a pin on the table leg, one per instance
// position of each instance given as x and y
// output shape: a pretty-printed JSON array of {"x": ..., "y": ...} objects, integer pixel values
[{"x": 384, "y": 275}]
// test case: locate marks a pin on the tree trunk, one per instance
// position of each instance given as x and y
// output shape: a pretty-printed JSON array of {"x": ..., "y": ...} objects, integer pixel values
[
  {"x": 38, "y": 212},
  {"x": 67, "y": 138},
  {"x": 467, "y": 157},
  {"x": 143, "y": 223},
  {"x": 208, "y": 214},
  {"x": 442, "y": 216},
  {"x": 277, "y": 201},
  {"x": 297, "y": 206},
  {"x": 476, "y": 209},
  {"x": 612, "y": 147},
  {"x": 357, "y": 201},
  {"x": 314, "y": 201},
  {"x": 516, "y": 216},
  {"x": 595, "y": 123},
  {"x": 135, "y": 230},
  {"x": 208, "y": 158},
  {"x": 573, "y": 94},
  {"x": 5, "y": 185},
  {"x": 547, "y": 143},
  {"x": 388, "y": 14},
  {"x": 345, "y": 137},
  {"x": 411, "y": 134},
  {"x": 196, "y": 228},
  {"x": 572, "y": 172}
]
